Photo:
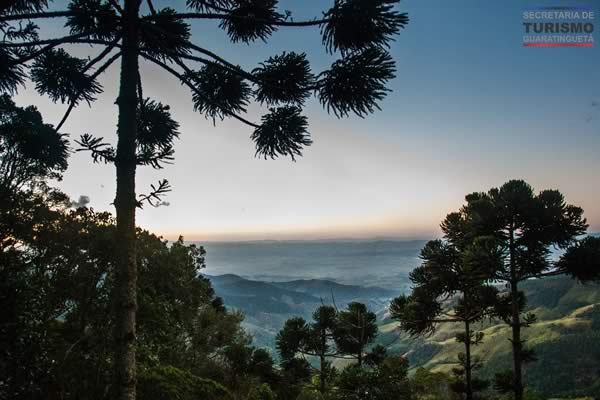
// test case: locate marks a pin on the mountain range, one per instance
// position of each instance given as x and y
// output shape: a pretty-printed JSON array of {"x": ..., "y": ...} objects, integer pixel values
[
  {"x": 566, "y": 338},
  {"x": 267, "y": 305}
]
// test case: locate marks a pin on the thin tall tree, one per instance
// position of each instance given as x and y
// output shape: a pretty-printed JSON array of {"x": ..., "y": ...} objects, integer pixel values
[
  {"x": 526, "y": 227},
  {"x": 133, "y": 31},
  {"x": 314, "y": 339},
  {"x": 451, "y": 287},
  {"x": 356, "y": 328}
]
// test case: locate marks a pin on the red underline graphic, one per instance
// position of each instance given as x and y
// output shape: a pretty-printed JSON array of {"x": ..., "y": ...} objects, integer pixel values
[{"x": 558, "y": 44}]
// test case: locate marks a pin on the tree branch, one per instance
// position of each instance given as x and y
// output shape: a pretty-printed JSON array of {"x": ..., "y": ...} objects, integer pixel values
[
  {"x": 151, "y": 7},
  {"x": 226, "y": 65},
  {"x": 51, "y": 42},
  {"x": 103, "y": 54},
  {"x": 154, "y": 198},
  {"x": 190, "y": 85},
  {"x": 312, "y": 22},
  {"x": 100, "y": 151},
  {"x": 50, "y": 14},
  {"x": 92, "y": 77}
]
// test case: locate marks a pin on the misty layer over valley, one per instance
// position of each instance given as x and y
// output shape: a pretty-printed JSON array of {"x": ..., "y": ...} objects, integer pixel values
[{"x": 382, "y": 263}]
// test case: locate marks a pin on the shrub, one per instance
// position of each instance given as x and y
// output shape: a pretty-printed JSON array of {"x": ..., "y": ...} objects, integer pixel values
[{"x": 170, "y": 383}]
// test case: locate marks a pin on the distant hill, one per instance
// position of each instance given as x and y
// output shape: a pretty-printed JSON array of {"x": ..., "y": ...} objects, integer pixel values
[
  {"x": 325, "y": 289},
  {"x": 566, "y": 340},
  {"x": 267, "y": 305}
]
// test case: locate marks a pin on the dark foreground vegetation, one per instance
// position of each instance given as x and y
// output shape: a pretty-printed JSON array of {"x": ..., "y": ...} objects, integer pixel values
[{"x": 57, "y": 270}]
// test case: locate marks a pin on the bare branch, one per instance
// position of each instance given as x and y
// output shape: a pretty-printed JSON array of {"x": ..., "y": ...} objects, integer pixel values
[
  {"x": 50, "y": 14},
  {"x": 220, "y": 62},
  {"x": 151, "y": 6},
  {"x": 52, "y": 42},
  {"x": 223, "y": 16}
]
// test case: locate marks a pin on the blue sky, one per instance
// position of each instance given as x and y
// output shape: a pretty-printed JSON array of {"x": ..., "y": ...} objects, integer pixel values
[{"x": 470, "y": 109}]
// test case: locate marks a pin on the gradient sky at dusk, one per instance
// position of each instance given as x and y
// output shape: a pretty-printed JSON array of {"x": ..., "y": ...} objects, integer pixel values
[{"x": 470, "y": 109}]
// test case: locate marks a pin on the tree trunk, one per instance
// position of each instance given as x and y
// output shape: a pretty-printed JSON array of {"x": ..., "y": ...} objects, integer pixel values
[
  {"x": 515, "y": 324},
  {"x": 516, "y": 344},
  {"x": 468, "y": 380},
  {"x": 322, "y": 357},
  {"x": 322, "y": 375},
  {"x": 125, "y": 275}
]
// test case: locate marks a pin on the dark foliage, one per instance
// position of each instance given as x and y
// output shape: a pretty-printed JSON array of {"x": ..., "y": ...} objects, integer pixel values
[
  {"x": 165, "y": 34},
  {"x": 284, "y": 79},
  {"x": 166, "y": 383},
  {"x": 219, "y": 93},
  {"x": 293, "y": 338},
  {"x": 388, "y": 380},
  {"x": 358, "y": 24},
  {"x": 249, "y": 20},
  {"x": 503, "y": 381},
  {"x": 60, "y": 76},
  {"x": 283, "y": 132},
  {"x": 156, "y": 133},
  {"x": 57, "y": 275},
  {"x": 356, "y": 83},
  {"x": 356, "y": 328},
  {"x": 300, "y": 339},
  {"x": 95, "y": 17},
  {"x": 22, "y": 6},
  {"x": 30, "y": 150},
  {"x": 582, "y": 261},
  {"x": 210, "y": 5},
  {"x": 12, "y": 74},
  {"x": 411, "y": 309}
]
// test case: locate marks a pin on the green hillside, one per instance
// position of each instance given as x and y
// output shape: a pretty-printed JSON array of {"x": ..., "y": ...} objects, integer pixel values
[
  {"x": 566, "y": 340},
  {"x": 267, "y": 305}
]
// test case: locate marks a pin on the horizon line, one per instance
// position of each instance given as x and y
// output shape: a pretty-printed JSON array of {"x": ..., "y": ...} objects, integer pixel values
[{"x": 330, "y": 239}]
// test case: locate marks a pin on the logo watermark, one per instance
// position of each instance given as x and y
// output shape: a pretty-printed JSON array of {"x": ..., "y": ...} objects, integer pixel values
[{"x": 558, "y": 27}]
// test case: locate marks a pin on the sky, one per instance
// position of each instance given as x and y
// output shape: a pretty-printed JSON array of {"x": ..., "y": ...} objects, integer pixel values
[{"x": 470, "y": 108}]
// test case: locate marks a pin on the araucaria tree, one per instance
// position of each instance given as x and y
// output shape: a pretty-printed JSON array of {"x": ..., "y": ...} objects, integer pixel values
[
  {"x": 451, "y": 287},
  {"x": 136, "y": 31},
  {"x": 526, "y": 226},
  {"x": 311, "y": 339},
  {"x": 356, "y": 329}
]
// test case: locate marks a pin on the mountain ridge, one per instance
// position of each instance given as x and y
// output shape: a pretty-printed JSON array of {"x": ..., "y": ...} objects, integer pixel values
[{"x": 267, "y": 305}]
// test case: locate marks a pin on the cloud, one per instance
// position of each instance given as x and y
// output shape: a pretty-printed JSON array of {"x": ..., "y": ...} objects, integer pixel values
[{"x": 83, "y": 201}]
